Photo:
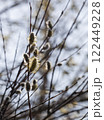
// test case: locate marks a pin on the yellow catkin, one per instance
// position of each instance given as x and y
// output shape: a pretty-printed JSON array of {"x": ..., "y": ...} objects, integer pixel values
[
  {"x": 34, "y": 64},
  {"x": 63, "y": 110}
]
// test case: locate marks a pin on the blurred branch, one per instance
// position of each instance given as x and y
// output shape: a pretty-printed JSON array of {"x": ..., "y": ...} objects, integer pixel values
[
  {"x": 61, "y": 51},
  {"x": 4, "y": 50},
  {"x": 12, "y": 6},
  {"x": 66, "y": 114},
  {"x": 43, "y": 17}
]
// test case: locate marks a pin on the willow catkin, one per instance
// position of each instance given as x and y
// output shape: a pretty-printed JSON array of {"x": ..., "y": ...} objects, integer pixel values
[{"x": 34, "y": 64}]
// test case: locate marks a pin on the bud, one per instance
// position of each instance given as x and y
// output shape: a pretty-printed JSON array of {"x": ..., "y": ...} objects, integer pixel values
[
  {"x": 34, "y": 87},
  {"x": 49, "y": 33},
  {"x": 46, "y": 46},
  {"x": 36, "y": 52},
  {"x": 26, "y": 58},
  {"x": 49, "y": 24},
  {"x": 22, "y": 84},
  {"x": 32, "y": 47},
  {"x": 32, "y": 38},
  {"x": 18, "y": 92},
  {"x": 48, "y": 65},
  {"x": 83, "y": 76},
  {"x": 66, "y": 88},
  {"x": 34, "y": 81},
  {"x": 28, "y": 87},
  {"x": 7, "y": 98},
  {"x": 59, "y": 64}
]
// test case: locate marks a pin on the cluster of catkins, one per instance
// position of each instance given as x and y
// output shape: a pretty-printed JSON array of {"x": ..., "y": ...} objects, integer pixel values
[
  {"x": 29, "y": 86},
  {"x": 33, "y": 63}
]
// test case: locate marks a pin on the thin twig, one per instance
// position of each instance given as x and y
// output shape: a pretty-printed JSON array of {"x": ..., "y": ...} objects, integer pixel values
[
  {"x": 37, "y": 15},
  {"x": 43, "y": 17},
  {"x": 14, "y": 56},
  {"x": 4, "y": 50}
]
